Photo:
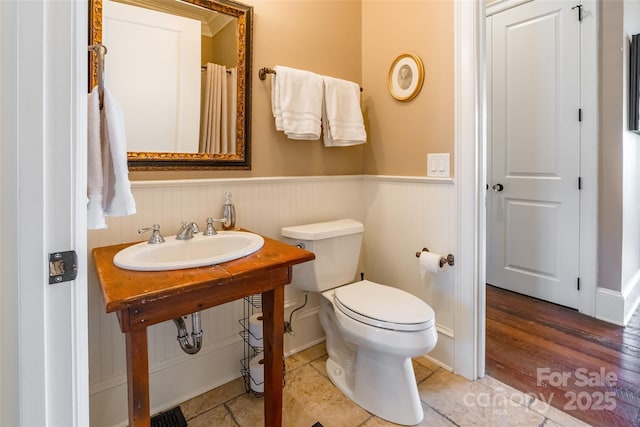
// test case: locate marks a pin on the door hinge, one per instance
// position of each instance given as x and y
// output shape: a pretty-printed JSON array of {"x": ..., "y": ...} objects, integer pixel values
[
  {"x": 63, "y": 267},
  {"x": 578, "y": 283},
  {"x": 579, "y": 7},
  {"x": 579, "y": 183},
  {"x": 579, "y": 114}
]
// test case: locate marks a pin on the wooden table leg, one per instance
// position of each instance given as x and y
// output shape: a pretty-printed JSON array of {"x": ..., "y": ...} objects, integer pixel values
[
  {"x": 273, "y": 336},
  {"x": 138, "y": 378}
]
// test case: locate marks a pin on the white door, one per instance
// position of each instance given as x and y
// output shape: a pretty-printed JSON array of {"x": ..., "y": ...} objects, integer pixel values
[
  {"x": 44, "y": 339},
  {"x": 533, "y": 196}
]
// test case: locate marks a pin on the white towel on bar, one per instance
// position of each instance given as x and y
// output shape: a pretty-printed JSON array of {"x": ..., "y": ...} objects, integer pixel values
[
  {"x": 95, "y": 210},
  {"x": 296, "y": 102},
  {"x": 343, "y": 124},
  {"x": 108, "y": 186},
  {"x": 116, "y": 190}
]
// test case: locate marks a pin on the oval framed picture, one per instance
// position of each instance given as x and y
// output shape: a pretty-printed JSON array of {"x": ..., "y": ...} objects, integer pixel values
[{"x": 406, "y": 76}]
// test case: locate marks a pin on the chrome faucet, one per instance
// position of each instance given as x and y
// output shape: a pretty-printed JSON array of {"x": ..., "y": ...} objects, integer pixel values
[
  {"x": 156, "y": 237},
  {"x": 210, "y": 230},
  {"x": 187, "y": 230}
]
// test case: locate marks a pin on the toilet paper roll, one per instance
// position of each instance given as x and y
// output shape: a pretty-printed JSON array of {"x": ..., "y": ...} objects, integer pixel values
[
  {"x": 430, "y": 262},
  {"x": 255, "y": 330},
  {"x": 256, "y": 372}
]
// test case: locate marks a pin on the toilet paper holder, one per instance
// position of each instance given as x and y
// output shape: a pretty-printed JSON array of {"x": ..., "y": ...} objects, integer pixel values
[{"x": 449, "y": 259}]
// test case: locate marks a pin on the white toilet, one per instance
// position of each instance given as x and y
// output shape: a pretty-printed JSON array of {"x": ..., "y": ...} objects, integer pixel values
[{"x": 372, "y": 330}]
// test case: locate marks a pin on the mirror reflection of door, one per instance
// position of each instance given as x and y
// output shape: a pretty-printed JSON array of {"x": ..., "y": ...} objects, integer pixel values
[
  {"x": 160, "y": 68},
  {"x": 153, "y": 66}
]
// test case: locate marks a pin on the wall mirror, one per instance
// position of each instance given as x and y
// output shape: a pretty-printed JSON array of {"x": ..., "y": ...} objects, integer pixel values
[{"x": 181, "y": 72}]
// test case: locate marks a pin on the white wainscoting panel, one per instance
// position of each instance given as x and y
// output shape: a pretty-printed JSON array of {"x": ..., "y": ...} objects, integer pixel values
[{"x": 401, "y": 215}]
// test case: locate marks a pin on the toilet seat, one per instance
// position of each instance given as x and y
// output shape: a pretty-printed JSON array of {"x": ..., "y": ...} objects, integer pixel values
[{"x": 383, "y": 306}]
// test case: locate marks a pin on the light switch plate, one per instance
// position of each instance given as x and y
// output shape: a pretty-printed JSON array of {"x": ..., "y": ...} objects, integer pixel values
[{"x": 438, "y": 165}]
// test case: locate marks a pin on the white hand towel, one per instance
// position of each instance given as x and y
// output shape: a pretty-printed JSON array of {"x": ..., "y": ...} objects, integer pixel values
[
  {"x": 117, "y": 196},
  {"x": 276, "y": 109},
  {"x": 343, "y": 124},
  {"x": 95, "y": 211},
  {"x": 296, "y": 99}
]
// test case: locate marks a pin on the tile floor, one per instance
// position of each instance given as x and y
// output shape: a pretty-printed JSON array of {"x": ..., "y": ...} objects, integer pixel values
[{"x": 310, "y": 397}]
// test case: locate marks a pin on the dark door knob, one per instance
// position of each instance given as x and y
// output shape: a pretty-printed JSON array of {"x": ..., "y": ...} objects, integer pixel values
[{"x": 498, "y": 187}]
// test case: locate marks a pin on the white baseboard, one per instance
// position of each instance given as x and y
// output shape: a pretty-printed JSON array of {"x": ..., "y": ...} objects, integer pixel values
[
  {"x": 618, "y": 307},
  {"x": 304, "y": 347},
  {"x": 443, "y": 353},
  {"x": 631, "y": 296},
  {"x": 186, "y": 378},
  {"x": 610, "y": 306}
]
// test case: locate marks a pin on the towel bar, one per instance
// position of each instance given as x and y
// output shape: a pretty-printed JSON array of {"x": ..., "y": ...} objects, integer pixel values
[
  {"x": 204, "y": 68},
  {"x": 262, "y": 73},
  {"x": 100, "y": 50}
]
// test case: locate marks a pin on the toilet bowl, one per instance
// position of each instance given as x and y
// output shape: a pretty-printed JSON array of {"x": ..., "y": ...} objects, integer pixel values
[{"x": 372, "y": 330}]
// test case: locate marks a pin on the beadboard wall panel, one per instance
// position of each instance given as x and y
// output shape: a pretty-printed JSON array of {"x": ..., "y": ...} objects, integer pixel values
[{"x": 401, "y": 215}]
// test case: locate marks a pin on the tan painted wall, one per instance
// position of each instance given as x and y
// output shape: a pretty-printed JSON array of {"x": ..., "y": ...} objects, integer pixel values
[
  {"x": 402, "y": 133},
  {"x": 354, "y": 40},
  {"x": 610, "y": 159},
  {"x": 320, "y": 36}
]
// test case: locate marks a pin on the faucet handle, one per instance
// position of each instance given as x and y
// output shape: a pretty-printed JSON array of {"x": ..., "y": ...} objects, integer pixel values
[
  {"x": 210, "y": 230},
  {"x": 156, "y": 237}
]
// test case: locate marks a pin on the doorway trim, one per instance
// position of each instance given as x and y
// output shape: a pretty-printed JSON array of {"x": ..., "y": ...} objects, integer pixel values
[
  {"x": 44, "y": 339},
  {"x": 469, "y": 148},
  {"x": 589, "y": 157},
  {"x": 470, "y": 155}
]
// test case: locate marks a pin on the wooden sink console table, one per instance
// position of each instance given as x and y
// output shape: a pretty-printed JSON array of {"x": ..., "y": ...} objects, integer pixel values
[{"x": 141, "y": 299}]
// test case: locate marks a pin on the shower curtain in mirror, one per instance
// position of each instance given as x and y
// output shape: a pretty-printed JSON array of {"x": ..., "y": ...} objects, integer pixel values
[{"x": 218, "y": 118}]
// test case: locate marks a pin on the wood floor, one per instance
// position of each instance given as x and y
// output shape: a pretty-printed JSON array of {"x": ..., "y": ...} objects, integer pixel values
[{"x": 583, "y": 366}]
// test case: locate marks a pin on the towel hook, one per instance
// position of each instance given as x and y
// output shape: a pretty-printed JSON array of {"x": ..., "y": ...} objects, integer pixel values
[{"x": 100, "y": 50}]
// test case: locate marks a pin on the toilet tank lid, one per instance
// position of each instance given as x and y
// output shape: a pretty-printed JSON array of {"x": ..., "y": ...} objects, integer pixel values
[{"x": 323, "y": 230}]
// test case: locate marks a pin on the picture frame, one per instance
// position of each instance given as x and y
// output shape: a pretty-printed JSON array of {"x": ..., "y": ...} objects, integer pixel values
[{"x": 406, "y": 77}]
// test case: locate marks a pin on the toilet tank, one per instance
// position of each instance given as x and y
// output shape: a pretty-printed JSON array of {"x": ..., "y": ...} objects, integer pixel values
[{"x": 336, "y": 245}]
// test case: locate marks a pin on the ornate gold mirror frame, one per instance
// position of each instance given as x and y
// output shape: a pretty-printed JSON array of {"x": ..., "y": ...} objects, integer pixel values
[{"x": 193, "y": 161}]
